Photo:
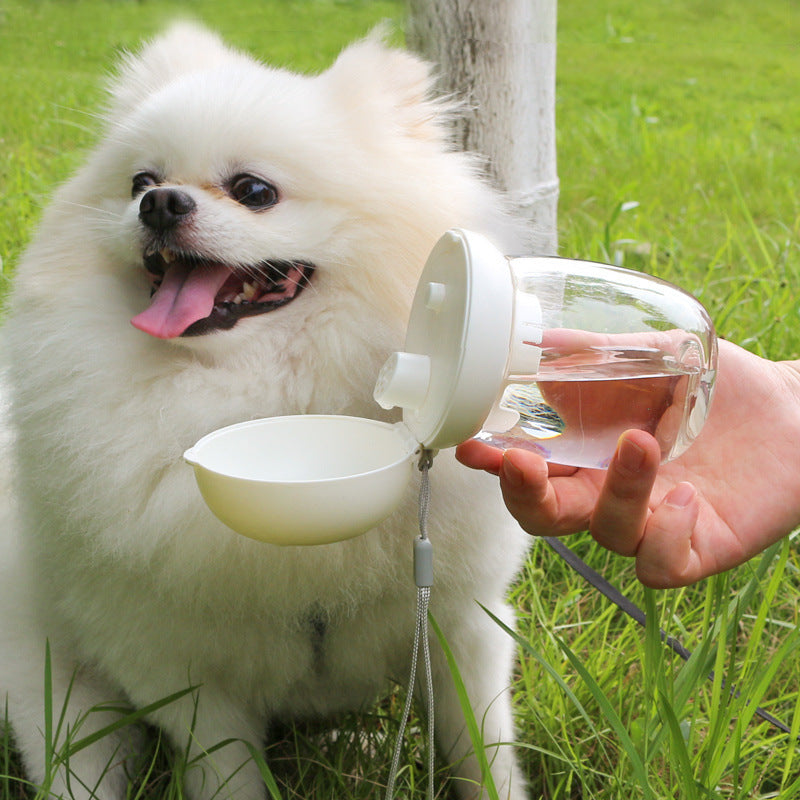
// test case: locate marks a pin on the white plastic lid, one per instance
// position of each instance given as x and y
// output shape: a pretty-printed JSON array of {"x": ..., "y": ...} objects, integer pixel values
[{"x": 457, "y": 342}]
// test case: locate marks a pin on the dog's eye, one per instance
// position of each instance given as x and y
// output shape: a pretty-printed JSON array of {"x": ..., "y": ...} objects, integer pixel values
[
  {"x": 253, "y": 192},
  {"x": 141, "y": 181}
]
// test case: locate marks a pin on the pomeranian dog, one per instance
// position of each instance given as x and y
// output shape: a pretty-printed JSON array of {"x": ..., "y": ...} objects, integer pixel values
[{"x": 263, "y": 232}]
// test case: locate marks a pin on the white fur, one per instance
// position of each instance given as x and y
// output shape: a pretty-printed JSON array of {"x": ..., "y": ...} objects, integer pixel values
[{"x": 115, "y": 560}]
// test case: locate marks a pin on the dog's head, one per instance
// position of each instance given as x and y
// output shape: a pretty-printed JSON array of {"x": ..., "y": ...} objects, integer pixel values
[
  {"x": 243, "y": 190},
  {"x": 273, "y": 222}
]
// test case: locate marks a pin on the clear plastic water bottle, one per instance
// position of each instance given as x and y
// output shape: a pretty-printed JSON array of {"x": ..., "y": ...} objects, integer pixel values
[
  {"x": 617, "y": 350},
  {"x": 569, "y": 355}
]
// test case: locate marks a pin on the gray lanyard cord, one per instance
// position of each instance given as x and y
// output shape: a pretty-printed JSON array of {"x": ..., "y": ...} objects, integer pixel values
[{"x": 423, "y": 576}]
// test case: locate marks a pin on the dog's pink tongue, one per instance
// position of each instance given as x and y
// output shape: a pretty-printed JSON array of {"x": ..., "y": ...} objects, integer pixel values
[{"x": 186, "y": 295}]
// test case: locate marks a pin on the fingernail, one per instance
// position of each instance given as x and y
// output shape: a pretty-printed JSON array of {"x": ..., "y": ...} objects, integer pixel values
[
  {"x": 680, "y": 496},
  {"x": 512, "y": 474},
  {"x": 630, "y": 455}
]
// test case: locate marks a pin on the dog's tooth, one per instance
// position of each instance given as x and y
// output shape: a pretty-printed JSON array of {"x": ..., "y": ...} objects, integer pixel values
[
  {"x": 167, "y": 255},
  {"x": 248, "y": 290}
]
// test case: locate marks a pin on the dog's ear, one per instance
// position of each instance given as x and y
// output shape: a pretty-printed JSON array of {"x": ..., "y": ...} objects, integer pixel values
[
  {"x": 392, "y": 85},
  {"x": 183, "y": 48}
]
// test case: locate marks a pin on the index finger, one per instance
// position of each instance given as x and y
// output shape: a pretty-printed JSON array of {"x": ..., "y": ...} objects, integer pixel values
[{"x": 478, "y": 455}]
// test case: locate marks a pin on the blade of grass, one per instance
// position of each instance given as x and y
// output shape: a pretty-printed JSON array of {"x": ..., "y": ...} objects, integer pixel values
[
  {"x": 679, "y": 755},
  {"x": 148, "y": 772},
  {"x": 637, "y": 765},
  {"x": 791, "y": 750},
  {"x": 654, "y": 676},
  {"x": 49, "y": 744},
  {"x": 600, "y": 698},
  {"x": 528, "y": 647},
  {"x": 128, "y": 719},
  {"x": 469, "y": 715},
  {"x": 5, "y": 778},
  {"x": 747, "y": 702},
  {"x": 775, "y": 581},
  {"x": 266, "y": 772}
]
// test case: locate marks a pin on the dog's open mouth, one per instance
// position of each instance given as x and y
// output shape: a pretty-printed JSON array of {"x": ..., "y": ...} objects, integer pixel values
[{"x": 192, "y": 296}]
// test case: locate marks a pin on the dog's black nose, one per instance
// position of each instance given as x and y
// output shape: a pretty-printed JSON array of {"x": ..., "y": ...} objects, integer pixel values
[{"x": 162, "y": 209}]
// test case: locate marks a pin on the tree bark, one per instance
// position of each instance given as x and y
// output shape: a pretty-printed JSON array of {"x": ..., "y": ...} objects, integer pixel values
[{"x": 499, "y": 58}]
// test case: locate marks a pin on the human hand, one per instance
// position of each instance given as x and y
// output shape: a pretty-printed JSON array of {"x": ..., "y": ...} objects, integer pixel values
[{"x": 732, "y": 494}]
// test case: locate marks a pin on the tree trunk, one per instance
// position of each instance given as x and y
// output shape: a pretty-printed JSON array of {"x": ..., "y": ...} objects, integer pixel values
[{"x": 499, "y": 57}]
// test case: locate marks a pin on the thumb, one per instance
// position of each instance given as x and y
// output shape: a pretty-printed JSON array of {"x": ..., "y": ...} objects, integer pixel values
[{"x": 665, "y": 557}]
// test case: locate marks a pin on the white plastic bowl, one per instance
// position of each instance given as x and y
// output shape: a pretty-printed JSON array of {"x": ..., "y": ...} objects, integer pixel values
[{"x": 301, "y": 480}]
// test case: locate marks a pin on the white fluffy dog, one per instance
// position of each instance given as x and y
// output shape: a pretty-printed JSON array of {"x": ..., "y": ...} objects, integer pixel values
[{"x": 280, "y": 223}]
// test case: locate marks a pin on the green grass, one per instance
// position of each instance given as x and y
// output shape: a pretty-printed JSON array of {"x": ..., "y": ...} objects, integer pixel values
[
  {"x": 687, "y": 108},
  {"x": 678, "y": 134}
]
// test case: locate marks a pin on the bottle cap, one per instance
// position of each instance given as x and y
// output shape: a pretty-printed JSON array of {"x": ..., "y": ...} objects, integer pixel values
[{"x": 457, "y": 342}]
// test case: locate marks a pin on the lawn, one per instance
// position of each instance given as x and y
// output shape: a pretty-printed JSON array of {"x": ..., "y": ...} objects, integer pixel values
[{"x": 679, "y": 126}]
